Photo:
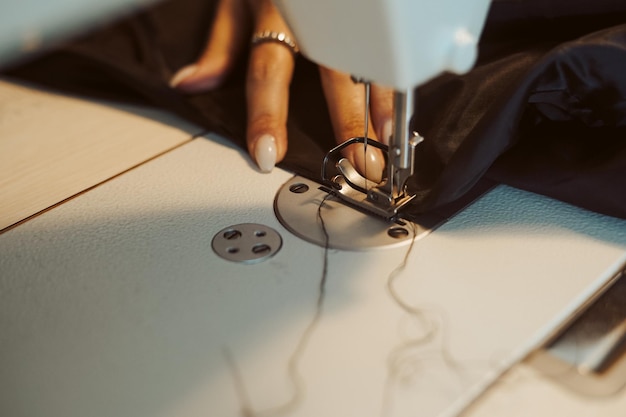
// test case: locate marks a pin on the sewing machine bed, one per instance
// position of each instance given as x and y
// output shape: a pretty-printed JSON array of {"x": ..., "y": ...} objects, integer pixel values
[{"x": 114, "y": 304}]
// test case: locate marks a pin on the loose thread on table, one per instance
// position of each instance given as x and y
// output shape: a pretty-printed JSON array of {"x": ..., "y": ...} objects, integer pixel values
[
  {"x": 292, "y": 366},
  {"x": 295, "y": 378},
  {"x": 396, "y": 356},
  {"x": 240, "y": 388},
  {"x": 399, "y": 357}
]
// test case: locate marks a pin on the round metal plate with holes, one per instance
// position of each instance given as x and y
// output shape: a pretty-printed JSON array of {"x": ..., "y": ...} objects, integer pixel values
[
  {"x": 296, "y": 206},
  {"x": 247, "y": 243}
]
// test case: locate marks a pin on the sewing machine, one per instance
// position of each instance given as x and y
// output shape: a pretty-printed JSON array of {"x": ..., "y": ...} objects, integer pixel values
[
  {"x": 381, "y": 42},
  {"x": 113, "y": 304}
]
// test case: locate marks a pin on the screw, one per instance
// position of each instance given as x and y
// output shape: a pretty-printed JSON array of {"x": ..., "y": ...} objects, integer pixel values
[
  {"x": 261, "y": 249},
  {"x": 398, "y": 232},
  {"x": 299, "y": 188},
  {"x": 232, "y": 234}
]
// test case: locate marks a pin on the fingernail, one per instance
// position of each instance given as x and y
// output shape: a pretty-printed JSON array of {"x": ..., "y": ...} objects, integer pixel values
[
  {"x": 386, "y": 133},
  {"x": 370, "y": 163},
  {"x": 265, "y": 152},
  {"x": 183, "y": 74}
]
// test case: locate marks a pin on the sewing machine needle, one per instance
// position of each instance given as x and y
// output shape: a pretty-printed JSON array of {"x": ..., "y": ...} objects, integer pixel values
[{"x": 367, "y": 122}]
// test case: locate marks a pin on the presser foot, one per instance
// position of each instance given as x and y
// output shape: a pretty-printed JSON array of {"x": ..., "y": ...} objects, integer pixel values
[
  {"x": 342, "y": 180},
  {"x": 370, "y": 202}
]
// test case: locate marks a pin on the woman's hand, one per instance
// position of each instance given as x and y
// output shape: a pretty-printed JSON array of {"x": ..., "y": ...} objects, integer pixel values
[{"x": 270, "y": 71}]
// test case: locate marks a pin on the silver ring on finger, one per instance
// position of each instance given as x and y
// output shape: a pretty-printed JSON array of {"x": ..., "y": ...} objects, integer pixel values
[{"x": 280, "y": 38}]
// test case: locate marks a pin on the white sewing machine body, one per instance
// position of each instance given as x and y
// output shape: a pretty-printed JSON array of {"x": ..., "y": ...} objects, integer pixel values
[{"x": 397, "y": 43}]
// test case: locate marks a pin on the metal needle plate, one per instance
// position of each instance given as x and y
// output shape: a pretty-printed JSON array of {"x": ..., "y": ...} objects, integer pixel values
[
  {"x": 247, "y": 243},
  {"x": 296, "y": 206}
]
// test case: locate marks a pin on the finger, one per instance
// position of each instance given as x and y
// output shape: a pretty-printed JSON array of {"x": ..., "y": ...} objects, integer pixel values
[
  {"x": 267, "y": 89},
  {"x": 226, "y": 41},
  {"x": 346, "y": 106},
  {"x": 381, "y": 108}
]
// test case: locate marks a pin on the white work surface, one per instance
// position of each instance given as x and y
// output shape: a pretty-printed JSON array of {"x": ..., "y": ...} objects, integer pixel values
[{"x": 113, "y": 304}]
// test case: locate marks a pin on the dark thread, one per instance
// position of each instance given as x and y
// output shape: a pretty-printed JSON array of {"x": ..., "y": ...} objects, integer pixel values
[
  {"x": 398, "y": 357},
  {"x": 295, "y": 378},
  {"x": 292, "y": 366}
]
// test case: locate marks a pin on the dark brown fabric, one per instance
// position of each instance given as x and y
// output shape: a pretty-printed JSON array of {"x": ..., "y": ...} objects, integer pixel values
[{"x": 544, "y": 109}]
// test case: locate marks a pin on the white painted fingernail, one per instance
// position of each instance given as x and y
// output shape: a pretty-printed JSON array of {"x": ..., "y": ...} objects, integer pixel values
[
  {"x": 183, "y": 74},
  {"x": 265, "y": 152},
  {"x": 386, "y": 133}
]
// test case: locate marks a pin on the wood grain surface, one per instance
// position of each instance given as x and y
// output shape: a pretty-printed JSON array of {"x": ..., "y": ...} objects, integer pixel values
[{"x": 54, "y": 146}]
